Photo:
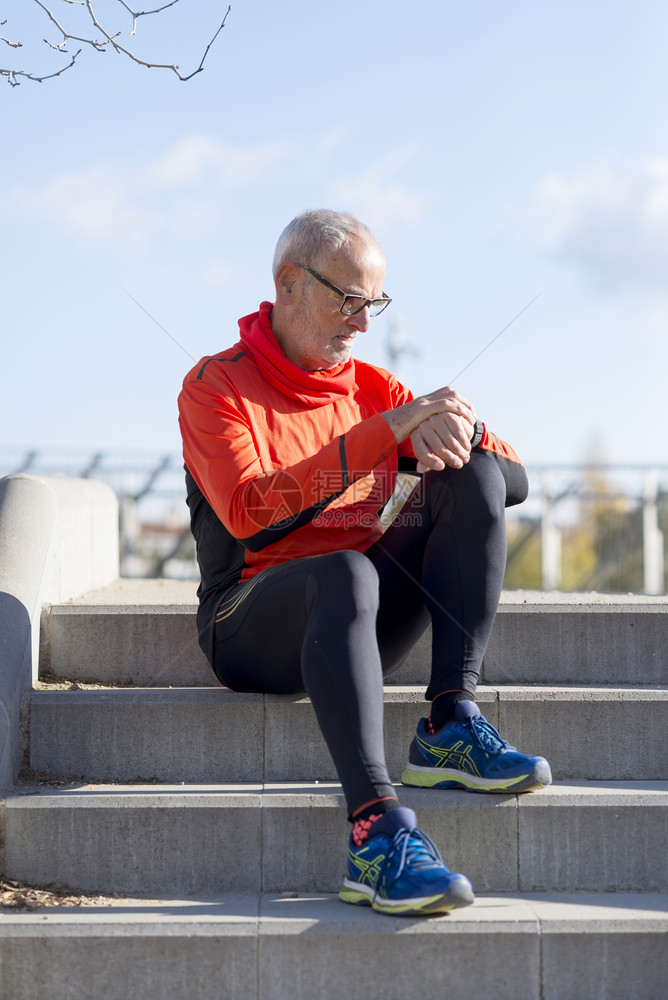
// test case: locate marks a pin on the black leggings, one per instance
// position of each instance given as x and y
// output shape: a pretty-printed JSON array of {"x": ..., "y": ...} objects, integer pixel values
[{"x": 333, "y": 625}]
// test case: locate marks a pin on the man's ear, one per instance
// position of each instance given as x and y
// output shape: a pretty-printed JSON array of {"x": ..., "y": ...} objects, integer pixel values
[{"x": 285, "y": 280}]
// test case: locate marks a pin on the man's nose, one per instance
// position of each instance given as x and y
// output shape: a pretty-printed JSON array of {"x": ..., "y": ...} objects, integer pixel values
[{"x": 361, "y": 320}]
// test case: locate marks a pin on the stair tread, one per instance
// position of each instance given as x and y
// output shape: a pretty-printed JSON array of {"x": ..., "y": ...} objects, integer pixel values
[
  {"x": 228, "y": 911},
  {"x": 318, "y": 793},
  {"x": 169, "y": 734},
  {"x": 131, "y": 694},
  {"x": 144, "y": 632},
  {"x": 513, "y": 946},
  {"x": 132, "y": 591},
  {"x": 292, "y": 836}
]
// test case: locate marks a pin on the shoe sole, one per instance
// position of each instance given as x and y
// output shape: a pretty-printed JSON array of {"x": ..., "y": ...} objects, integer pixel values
[
  {"x": 439, "y": 777},
  {"x": 359, "y": 894}
]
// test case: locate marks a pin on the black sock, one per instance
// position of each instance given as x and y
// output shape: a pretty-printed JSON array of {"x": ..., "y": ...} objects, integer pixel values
[{"x": 376, "y": 809}]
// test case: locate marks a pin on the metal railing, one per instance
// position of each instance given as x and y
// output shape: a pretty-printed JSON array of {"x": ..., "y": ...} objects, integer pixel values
[{"x": 583, "y": 527}]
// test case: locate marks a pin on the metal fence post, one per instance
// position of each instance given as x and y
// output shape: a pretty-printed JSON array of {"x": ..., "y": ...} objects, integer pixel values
[
  {"x": 550, "y": 539},
  {"x": 652, "y": 537}
]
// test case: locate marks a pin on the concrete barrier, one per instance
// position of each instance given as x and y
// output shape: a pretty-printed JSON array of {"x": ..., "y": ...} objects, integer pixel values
[{"x": 58, "y": 539}]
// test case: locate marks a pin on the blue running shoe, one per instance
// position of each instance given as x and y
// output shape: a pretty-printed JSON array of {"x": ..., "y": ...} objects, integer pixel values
[
  {"x": 399, "y": 870},
  {"x": 469, "y": 753}
]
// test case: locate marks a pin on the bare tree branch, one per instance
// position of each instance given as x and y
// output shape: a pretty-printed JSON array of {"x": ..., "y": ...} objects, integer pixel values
[
  {"x": 66, "y": 35},
  {"x": 12, "y": 45},
  {"x": 144, "y": 13},
  {"x": 13, "y": 73},
  {"x": 101, "y": 40}
]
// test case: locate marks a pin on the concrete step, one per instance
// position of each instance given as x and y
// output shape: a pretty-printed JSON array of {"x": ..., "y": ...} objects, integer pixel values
[
  {"x": 204, "y": 735},
  {"x": 572, "y": 836},
  {"x": 269, "y": 947},
  {"x": 143, "y": 632}
]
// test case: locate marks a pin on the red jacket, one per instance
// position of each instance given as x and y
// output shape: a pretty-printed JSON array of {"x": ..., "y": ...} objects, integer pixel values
[{"x": 291, "y": 463}]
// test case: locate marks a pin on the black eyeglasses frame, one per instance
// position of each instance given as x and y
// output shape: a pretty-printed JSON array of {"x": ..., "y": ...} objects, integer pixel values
[{"x": 382, "y": 302}]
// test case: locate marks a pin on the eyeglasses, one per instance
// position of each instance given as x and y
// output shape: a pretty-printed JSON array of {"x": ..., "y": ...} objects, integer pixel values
[{"x": 351, "y": 304}]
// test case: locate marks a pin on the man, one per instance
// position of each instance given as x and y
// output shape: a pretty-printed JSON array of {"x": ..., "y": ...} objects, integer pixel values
[{"x": 291, "y": 451}]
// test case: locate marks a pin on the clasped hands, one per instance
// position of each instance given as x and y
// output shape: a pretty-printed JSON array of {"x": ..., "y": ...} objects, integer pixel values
[{"x": 440, "y": 425}]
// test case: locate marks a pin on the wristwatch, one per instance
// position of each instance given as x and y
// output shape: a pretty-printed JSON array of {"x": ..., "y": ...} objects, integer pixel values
[{"x": 478, "y": 433}]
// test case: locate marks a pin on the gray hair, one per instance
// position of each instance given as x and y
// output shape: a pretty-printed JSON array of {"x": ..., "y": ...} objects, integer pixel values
[{"x": 313, "y": 233}]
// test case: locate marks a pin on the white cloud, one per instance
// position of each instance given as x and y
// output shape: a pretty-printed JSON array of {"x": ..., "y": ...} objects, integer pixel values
[
  {"x": 219, "y": 273},
  {"x": 95, "y": 203},
  {"x": 181, "y": 193},
  {"x": 608, "y": 220},
  {"x": 322, "y": 149},
  {"x": 200, "y": 159},
  {"x": 184, "y": 192},
  {"x": 377, "y": 196}
]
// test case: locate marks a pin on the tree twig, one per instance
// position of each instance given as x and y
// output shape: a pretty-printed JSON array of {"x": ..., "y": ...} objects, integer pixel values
[
  {"x": 137, "y": 14},
  {"x": 103, "y": 42},
  {"x": 11, "y": 74}
]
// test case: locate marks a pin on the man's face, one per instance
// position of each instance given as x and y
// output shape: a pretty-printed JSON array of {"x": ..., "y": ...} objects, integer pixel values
[{"x": 319, "y": 335}]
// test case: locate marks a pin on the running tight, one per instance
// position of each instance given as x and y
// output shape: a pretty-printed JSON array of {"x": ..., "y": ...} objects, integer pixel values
[{"x": 334, "y": 625}]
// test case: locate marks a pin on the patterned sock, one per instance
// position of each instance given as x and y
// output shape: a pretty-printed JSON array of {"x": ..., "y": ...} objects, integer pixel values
[
  {"x": 361, "y": 829},
  {"x": 365, "y": 818}
]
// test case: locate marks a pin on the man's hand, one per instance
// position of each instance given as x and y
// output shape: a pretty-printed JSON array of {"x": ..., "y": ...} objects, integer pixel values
[
  {"x": 440, "y": 426},
  {"x": 444, "y": 439}
]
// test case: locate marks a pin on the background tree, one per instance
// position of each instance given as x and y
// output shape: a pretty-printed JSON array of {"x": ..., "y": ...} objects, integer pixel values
[
  {"x": 601, "y": 548},
  {"x": 101, "y": 25}
]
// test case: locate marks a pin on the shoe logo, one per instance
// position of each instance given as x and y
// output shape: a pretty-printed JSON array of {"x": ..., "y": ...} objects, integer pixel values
[
  {"x": 457, "y": 756},
  {"x": 369, "y": 869}
]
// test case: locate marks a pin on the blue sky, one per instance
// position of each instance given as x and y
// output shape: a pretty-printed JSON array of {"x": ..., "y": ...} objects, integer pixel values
[{"x": 499, "y": 148}]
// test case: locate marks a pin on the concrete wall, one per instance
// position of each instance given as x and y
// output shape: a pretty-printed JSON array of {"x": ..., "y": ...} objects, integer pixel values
[{"x": 58, "y": 538}]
